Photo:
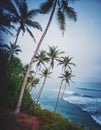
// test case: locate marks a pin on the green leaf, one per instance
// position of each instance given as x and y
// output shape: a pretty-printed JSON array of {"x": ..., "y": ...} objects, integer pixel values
[
  {"x": 31, "y": 34},
  {"x": 46, "y": 6}
]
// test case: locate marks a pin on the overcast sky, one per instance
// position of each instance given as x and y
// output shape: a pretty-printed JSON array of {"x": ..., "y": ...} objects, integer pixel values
[{"x": 82, "y": 39}]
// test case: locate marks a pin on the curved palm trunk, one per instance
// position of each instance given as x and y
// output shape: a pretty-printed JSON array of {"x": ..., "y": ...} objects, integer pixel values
[
  {"x": 17, "y": 110},
  {"x": 11, "y": 53},
  {"x": 41, "y": 89},
  {"x": 58, "y": 96}
]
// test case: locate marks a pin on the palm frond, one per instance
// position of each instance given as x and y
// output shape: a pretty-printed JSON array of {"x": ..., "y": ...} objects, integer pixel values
[
  {"x": 31, "y": 34},
  {"x": 4, "y": 46},
  {"x": 46, "y": 6},
  {"x": 11, "y": 8},
  {"x": 33, "y": 24},
  {"x": 22, "y": 6},
  {"x": 6, "y": 30},
  {"x": 61, "y": 19},
  {"x": 69, "y": 11},
  {"x": 32, "y": 13}
]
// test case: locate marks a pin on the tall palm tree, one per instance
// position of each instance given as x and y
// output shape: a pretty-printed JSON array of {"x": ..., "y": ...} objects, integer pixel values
[
  {"x": 49, "y": 5},
  {"x": 21, "y": 15},
  {"x": 53, "y": 55},
  {"x": 45, "y": 73},
  {"x": 67, "y": 79},
  {"x": 65, "y": 62},
  {"x": 40, "y": 59},
  {"x": 58, "y": 94},
  {"x": 66, "y": 76}
]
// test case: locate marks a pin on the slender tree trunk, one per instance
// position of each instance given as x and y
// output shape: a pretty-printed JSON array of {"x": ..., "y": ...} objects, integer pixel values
[
  {"x": 17, "y": 109},
  {"x": 63, "y": 91},
  {"x": 11, "y": 53},
  {"x": 39, "y": 94},
  {"x": 41, "y": 89},
  {"x": 29, "y": 86},
  {"x": 62, "y": 94},
  {"x": 58, "y": 96}
]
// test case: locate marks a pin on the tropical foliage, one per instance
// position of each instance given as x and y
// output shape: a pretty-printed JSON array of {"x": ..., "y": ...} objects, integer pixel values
[
  {"x": 13, "y": 71},
  {"x": 45, "y": 8}
]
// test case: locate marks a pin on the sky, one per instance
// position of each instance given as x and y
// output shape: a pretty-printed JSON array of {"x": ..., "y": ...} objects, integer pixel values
[{"x": 82, "y": 40}]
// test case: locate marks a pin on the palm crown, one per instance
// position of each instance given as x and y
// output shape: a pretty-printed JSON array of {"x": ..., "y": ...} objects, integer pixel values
[
  {"x": 63, "y": 11},
  {"x": 53, "y": 54},
  {"x": 20, "y": 14}
]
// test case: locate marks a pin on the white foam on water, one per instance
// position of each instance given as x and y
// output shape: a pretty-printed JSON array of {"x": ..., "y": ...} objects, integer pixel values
[
  {"x": 97, "y": 118},
  {"x": 91, "y": 105},
  {"x": 81, "y": 100},
  {"x": 90, "y": 109},
  {"x": 66, "y": 91}
]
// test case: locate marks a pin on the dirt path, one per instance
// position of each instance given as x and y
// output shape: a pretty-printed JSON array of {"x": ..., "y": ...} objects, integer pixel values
[{"x": 26, "y": 122}]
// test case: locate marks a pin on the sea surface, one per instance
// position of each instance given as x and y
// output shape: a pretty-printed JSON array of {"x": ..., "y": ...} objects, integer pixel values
[{"x": 81, "y": 103}]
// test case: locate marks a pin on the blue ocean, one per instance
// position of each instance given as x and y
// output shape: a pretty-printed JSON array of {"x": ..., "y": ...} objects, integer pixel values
[{"x": 81, "y": 103}]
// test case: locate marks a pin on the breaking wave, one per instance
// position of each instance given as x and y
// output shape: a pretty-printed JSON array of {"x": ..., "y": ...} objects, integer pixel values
[{"x": 87, "y": 103}]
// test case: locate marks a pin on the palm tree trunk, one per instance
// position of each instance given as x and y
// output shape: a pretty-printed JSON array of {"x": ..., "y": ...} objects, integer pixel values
[
  {"x": 41, "y": 89},
  {"x": 63, "y": 90},
  {"x": 11, "y": 53},
  {"x": 62, "y": 94},
  {"x": 58, "y": 96},
  {"x": 17, "y": 109},
  {"x": 29, "y": 86}
]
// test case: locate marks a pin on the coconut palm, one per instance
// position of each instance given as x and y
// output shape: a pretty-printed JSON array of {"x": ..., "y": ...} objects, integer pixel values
[
  {"x": 45, "y": 73},
  {"x": 58, "y": 94},
  {"x": 49, "y": 5},
  {"x": 40, "y": 59},
  {"x": 66, "y": 76},
  {"x": 8, "y": 48},
  {"x": 21, "y": 15},
  {"x": 67, "y": 79},
  {"x": 34, "y": 84},
  {"x": 65, "y": 62},
  {"x": 14, "y": 49},
  {"x": 53, "y": 55}
]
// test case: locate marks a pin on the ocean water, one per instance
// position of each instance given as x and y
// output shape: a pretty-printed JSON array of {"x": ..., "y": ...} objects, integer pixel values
[{"x": 81, "y": 103}]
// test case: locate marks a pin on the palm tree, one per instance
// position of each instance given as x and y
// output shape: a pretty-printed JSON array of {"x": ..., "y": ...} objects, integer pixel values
[
  {"x": 66, "y": 76},
  {"x": 14, "y": 49},
  {"x": 9, "y": 48},
  {"x": 34, "y": 83},
  {"x": 45, "y": 73},
  {"x": 45, "y": 8},
  {"x": 53, "y": 55},
  {"x": 40, "y": 59},
  {"x": 65, "y": 62},
  {"x": 21, "y": 15},
  {"x": 58, "y": 95}
]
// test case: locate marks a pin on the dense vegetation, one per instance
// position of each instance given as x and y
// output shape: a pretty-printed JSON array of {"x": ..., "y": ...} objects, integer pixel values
[
  {"x": 12, "y": 71},
  {"x": 10, "y": 82}
]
